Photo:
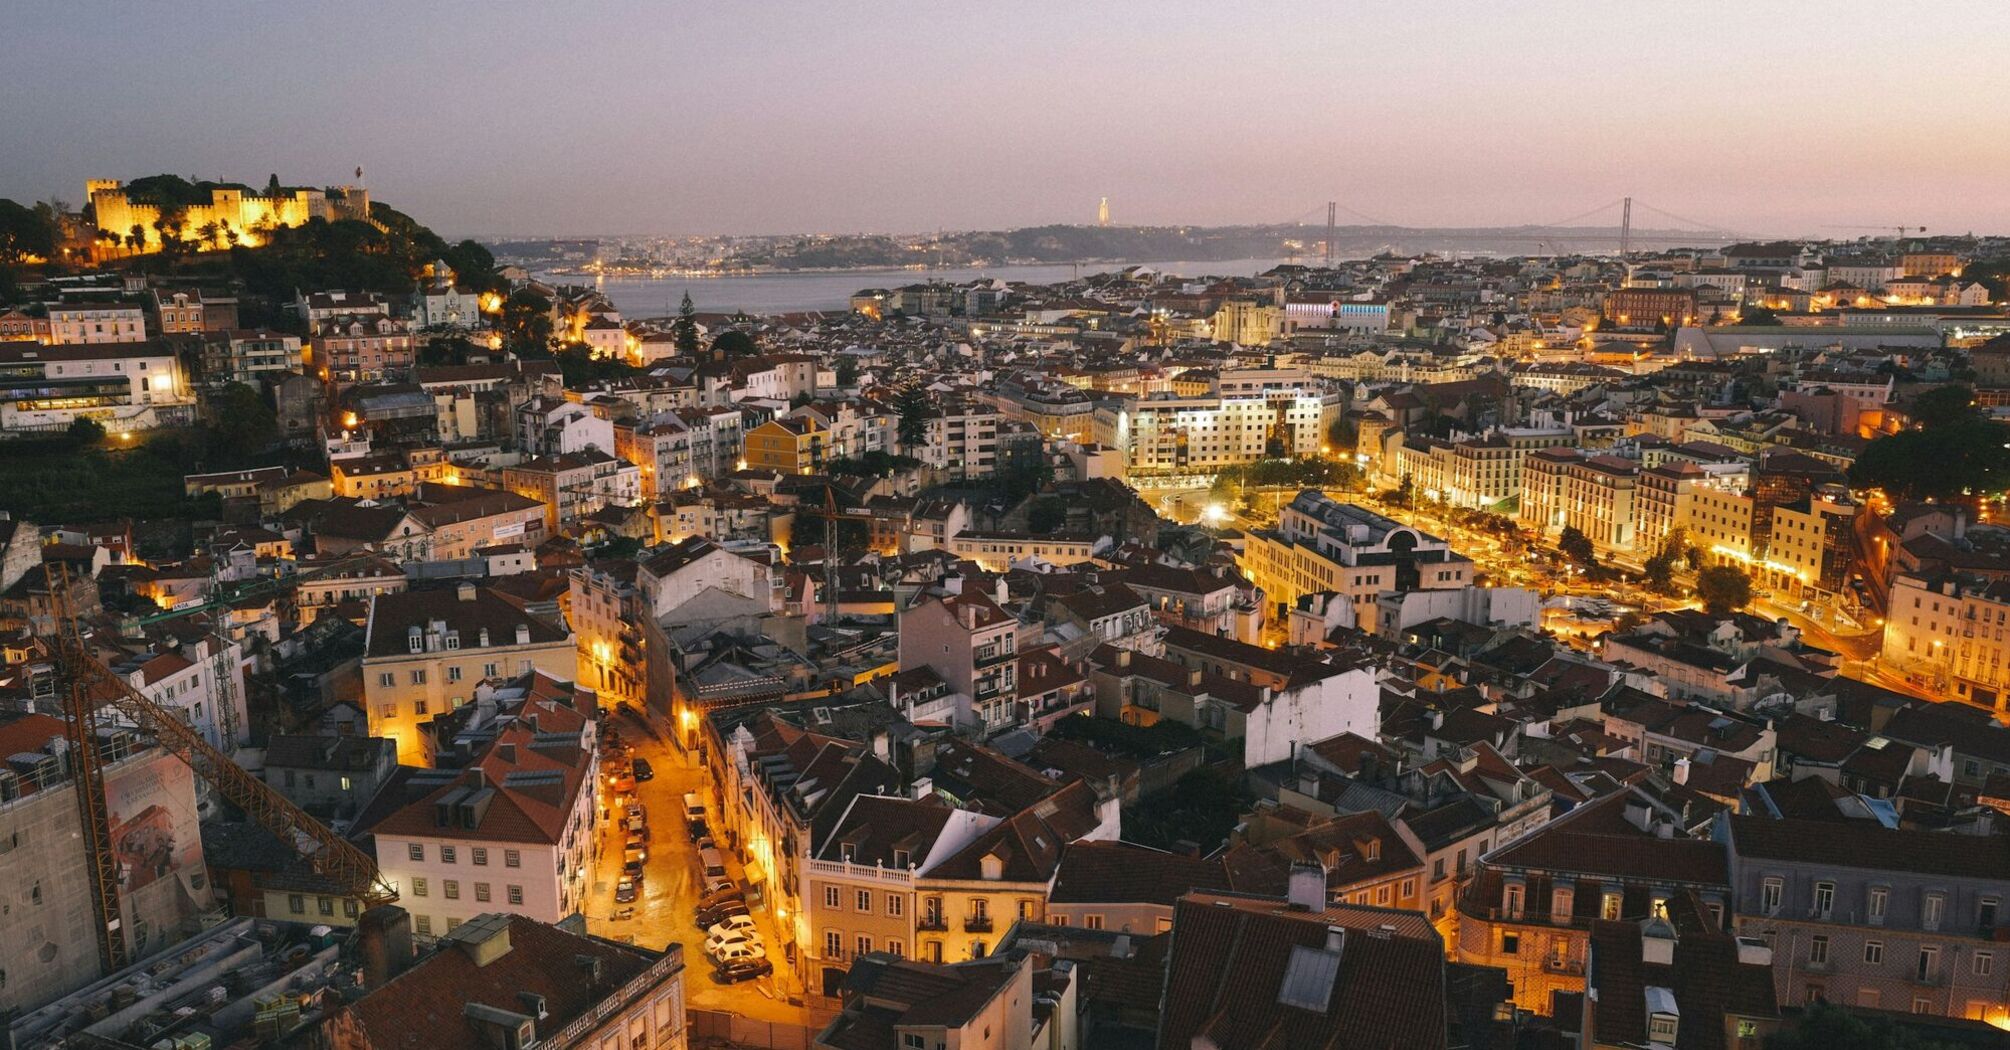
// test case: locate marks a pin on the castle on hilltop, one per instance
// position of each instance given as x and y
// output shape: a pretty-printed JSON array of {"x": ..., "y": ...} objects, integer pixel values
[{"x": 232, "y": 208}]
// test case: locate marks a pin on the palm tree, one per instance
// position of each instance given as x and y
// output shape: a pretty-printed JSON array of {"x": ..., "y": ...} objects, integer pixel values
[
  {"x": 209, "y": 233},
  {"x": 137, "y": 237}
]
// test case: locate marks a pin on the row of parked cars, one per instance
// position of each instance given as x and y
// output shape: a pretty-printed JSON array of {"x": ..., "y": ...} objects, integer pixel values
[{"x": 732, "y": 941}]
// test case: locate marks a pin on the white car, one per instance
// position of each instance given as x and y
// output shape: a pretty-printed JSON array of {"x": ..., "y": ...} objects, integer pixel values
[
  {"x": 715, "y": 946},
  {"x": 741, "y": 923},
  {"x": 734, "y": 951}
]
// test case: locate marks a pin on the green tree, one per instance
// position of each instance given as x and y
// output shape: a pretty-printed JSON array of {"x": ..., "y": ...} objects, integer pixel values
[
  {"x": 1757, "y": 315},
  {"x": 24, "y": 233},
  {"x": 913, "y": 406},
  {"x": 1951, "y": 460},
  {"x": 1578, "y": 547},
  {"x": 526, "y": 323},
  {"x": 1825, "y": 1027},
  {"x": 1945, "y": 406},
  {"x": 847, "y": 371},
  {"x": 1046, "y": 515},
  {"x": 1724, "y": 589},
  {"x": 86, "y": 432},
  {"x": 733, "y": 343},
  {"x": 242, "y": 424},
  {"x": 1405, "y": 492},
  {"x": 1661, "y": 567},
  {"x": 272, "y": 187},
  {"x": 686, "y": 330}
]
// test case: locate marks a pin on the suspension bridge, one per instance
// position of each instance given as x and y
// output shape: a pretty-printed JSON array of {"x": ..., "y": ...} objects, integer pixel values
[{"x": 1605, "y": 229}]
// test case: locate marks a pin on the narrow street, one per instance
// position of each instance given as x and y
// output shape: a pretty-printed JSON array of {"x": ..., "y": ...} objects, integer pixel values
[{"x": 671, "y": 886}]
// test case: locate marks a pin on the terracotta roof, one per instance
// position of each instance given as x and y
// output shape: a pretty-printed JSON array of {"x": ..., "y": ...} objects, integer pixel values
[
  {"x": 423, "y": 1008},
  {"x": 1867, "y": 845},
  {"x": 1235, "y": 960}
]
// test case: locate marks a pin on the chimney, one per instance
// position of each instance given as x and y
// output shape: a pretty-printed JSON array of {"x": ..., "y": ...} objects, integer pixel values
[
  {"x": 384, "y": 942},
  {"x": 1437, "y": 719},
  {"x": 1681, "y": 771},
  {"x": 466, "y": 591},
  {"x": 1336, "y": 939},
  {"x": 1307, "y": 887}
]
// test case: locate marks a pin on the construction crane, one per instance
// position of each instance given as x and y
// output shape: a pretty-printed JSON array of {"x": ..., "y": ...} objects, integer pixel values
[
  {"x": 1897, "y": 232},
  {"x": 91, "y": 689}
]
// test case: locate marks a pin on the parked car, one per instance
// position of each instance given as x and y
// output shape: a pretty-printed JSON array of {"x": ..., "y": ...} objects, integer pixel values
[
  {"x": 624, "y": 891},
  {"x": 713, "y": 916},
  {"x": 730, "y": 893},
  {"x": 706, "y": 843},
  {"x": 642, "y": 770},
  {"x": 634, "y": 851},
  {"x": 632, "y": 869},
  {"x": 622, "y": 782},
  {"x": 738, "y": 951},
  {"x": 737, "y": 970},
  {"x": 698, "y": 830},
  {"x": 732, "y": 924},
  {"x": 717, "y": 946}
]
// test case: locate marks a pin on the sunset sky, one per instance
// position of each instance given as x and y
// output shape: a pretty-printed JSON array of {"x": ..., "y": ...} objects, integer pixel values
[{"x": 748, "y": 117}]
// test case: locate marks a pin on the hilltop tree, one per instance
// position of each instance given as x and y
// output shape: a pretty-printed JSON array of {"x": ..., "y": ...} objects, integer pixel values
[
  {"x": 733, "y": 343},
  {"x": 526, "y": 322},
  {"x": 1661, "y": 567},
  {"x": 1724, "y": 589},
  {"x": 1945, "y": 406},
  {"x": 686, "y": 330},
  {"x": 24, "y": 233},
  {"x": 912, "y": 404}
]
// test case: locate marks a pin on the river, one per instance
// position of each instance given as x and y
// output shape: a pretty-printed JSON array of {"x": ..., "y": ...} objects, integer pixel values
[{"x": 771, "y": 293}]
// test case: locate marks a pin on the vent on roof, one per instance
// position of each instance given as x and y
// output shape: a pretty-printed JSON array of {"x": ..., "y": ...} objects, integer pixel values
[{"x": 1308, "y": 978}]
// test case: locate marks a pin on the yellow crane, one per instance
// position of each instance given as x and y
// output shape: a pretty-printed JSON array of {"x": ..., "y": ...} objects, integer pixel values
[{"x": 92, "y": 690}]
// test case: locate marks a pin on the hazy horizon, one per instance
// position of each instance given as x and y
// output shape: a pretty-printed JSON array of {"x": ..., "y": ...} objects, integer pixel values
[{"x": 615, "y": 119}]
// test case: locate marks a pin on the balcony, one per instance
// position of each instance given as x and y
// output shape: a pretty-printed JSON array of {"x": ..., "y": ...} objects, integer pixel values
[
  {"x": 932, "y": 924},
  {"x": 977, "y": 924},
  {"x": 1570, "y": 967}
]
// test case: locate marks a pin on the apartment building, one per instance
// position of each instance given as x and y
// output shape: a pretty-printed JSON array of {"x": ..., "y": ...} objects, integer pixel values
[
  {"x": 190, "y": 312},
  {"x": 463, "y": 519},
  {"x": 1875, "y": 917},
  {"x": 1531, "y": 903},
  {"x": 787, "y": 445},
  {"x": 513, "y": 832},
  {"x": 1323, "y": 546},
  {"x": 972, "y": 643},
  {"x": 1949, "y": 628},
  {"x": 327, "y": 585},
  {"x": 255, "y": 356},
  {"x": 571, "y": 485},
  {"x": 86, "y": 323},
  {"x": 604, "y": 611},
  {"x": 425, "y": 651},
  {"x": 1166, "y": 434},
  {"x": 364, "y": 348},
  {"x": 124, "y": 386}
]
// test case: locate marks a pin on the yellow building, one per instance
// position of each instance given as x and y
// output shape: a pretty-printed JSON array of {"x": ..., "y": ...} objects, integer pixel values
[
  {"x": 425, "y": 651},
  {"x": 790, "y": 446},
  {"x": 231, "y": 208}
]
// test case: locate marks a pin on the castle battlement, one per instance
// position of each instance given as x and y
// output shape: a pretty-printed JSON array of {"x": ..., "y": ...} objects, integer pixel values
[{"x": 232, "y": 209}]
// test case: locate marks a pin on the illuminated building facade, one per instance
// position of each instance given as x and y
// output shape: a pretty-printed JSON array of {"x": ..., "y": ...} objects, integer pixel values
[{"x": 235, "y": 208}]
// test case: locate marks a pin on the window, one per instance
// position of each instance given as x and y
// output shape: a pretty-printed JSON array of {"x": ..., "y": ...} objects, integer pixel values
[
  {"x": 447, "y": 854},
  {"x": 1769, "y": 894},
  {"x": 387, "y": 679},
  {"x": 488, "y": 670},
  {"x": 419, "y": 677},
  {"x": 481, "y": 891},
  {"x": 418, "y": 887},
  {"x": 833, "y": 944},
  {"x": 1093, "y": 922},
  {"x": 1985, "y": 913},
  {"x": 1825, "y": 898},
  {"x": 453, "y": 674},
  {"x": 1818, "y": 949},
  {"x": 415, "y": 851},
  {"x": 480, "y": 854},
  {"x": 864, "y": 943},
  {"x": 512, "y": 859},
  {"x": 1867, "y": 997},
  {"x": 913, "y": 1041},
  {"x": 1922, "y": 1005},
  {"x": 419, "y": 707},
  {"x": 1027, "y": 908},
  {"x": 515, "y": 894},
  {"x": 865, "y": 900},
  {"x": 296, "y": 904},
  {"x": 424, "y": 925},
  {"x": 324, "y": 905},
  {"x": 894, "y": 949},
  {"x": 979, "y": 907},
  {"x": 453, "y": 888},
  {"x": 894, "y": 904},
  {"x": 1510, "y": 943},
  {"x": 1409, "y": 888},
  {"x": 1929, "y": 912},
  {"x": 1985, "y": 963},
  {"x": 1929, "y": 958},
  {"x": 1879, "y": 898},
  {"x": 1873, "y": 952},
  {"x": 830, "y": 896},
  {"x": 349, "y": 909}
]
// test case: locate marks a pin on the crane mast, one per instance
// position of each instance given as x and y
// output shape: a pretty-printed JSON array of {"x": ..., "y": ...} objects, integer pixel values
[{"x": 93, "y": 687}]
